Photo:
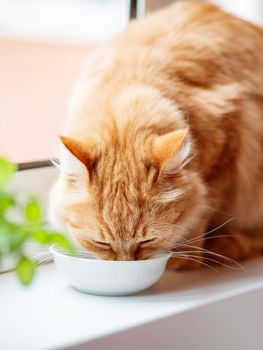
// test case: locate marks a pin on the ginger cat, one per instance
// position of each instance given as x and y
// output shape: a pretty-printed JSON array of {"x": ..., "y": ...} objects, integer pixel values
[{"x": 164, "y": 142}]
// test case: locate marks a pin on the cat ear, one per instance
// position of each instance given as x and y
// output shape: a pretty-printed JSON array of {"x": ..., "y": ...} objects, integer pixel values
[
  {"x": 171, "y": 150},
  {"x": 80, "y": 151}
]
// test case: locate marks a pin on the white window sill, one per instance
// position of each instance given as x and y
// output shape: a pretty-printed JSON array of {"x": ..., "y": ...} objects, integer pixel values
[{"x": 193, "y": 310}]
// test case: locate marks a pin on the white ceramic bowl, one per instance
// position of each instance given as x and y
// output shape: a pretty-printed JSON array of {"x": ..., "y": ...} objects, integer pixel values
[{"x": 104, "y": 277}]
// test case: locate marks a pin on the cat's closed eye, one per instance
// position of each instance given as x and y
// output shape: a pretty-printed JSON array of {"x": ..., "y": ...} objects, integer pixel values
[
  {"x": 101, "y": 245},
  {"x": 148, "y": 242}
]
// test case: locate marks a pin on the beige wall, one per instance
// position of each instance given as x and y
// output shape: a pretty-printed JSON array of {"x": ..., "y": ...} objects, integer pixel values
[{"x": 36, "y": 80}]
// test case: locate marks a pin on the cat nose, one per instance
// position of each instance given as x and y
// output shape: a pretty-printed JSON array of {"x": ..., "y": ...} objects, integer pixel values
[{"x": 125, "y": 256}]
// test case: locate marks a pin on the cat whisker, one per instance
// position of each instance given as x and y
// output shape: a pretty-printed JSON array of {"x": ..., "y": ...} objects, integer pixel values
[
  {"x": 44, "y": 261},
  {"x": 218, "y": 211},
  {"x": 203, "y": 235},
  {"x": 212, "y": 260},
  {"x": 195, "y": 259},
  {"x": 54, "y": 162},
  {"x": 206, "y": 251},
  {"x": 208, "y": 238},
  {"x": 39, "y": 255},
  {"x": 220, "y": 226}
]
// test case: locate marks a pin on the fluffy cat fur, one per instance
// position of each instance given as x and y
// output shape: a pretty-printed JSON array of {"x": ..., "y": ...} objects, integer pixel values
[{"x": 164, "y": 142}]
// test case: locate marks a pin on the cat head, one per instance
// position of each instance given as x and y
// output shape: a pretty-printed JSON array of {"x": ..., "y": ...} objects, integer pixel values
[{"x": 127, "y": 199}]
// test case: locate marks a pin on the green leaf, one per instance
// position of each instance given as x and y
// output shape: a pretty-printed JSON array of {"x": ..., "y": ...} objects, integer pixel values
[
  {"x": 12, "y": 237},
  {"x": 4, "y": 240},
  {"x": 42, "y": 236},
  {"x": 7, "y": 168},
  {"x": 6, "y": 201},
  {"x": 63, "y": 243},
  {"x": 25, "y": 269},
  {"x": 18, "y": 237},
  {"x": 32, "y": 211}
]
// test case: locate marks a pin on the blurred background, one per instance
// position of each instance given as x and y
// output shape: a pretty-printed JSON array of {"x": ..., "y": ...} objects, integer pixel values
[{"x": 43, "y": 45}]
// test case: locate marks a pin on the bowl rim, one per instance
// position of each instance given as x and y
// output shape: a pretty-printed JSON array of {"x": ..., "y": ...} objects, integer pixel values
[{"x": 160, "y": 256}]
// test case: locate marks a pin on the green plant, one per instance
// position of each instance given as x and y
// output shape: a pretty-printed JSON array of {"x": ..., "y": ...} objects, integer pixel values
[{"x": 15, "y": 233}]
